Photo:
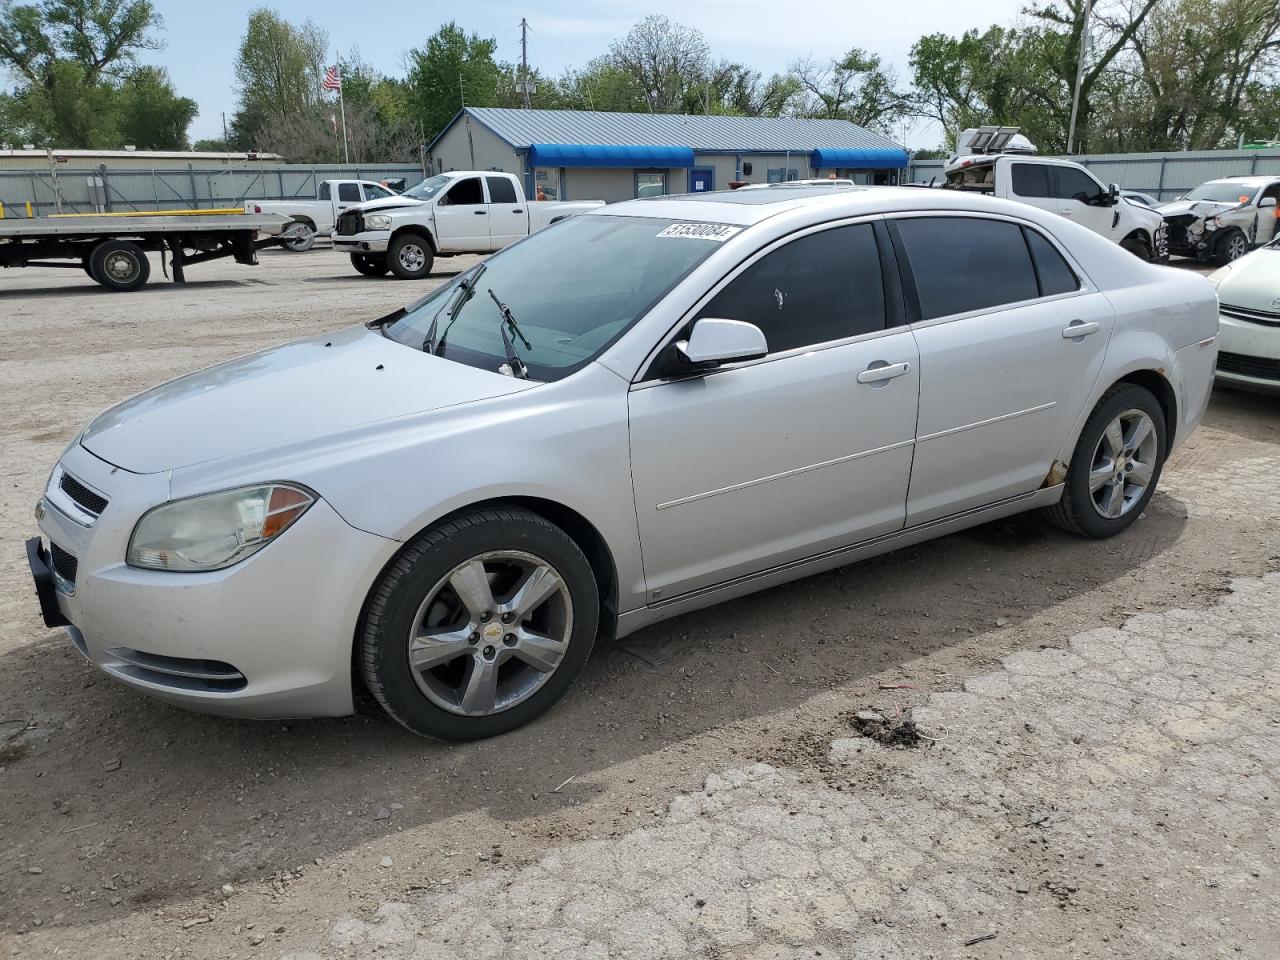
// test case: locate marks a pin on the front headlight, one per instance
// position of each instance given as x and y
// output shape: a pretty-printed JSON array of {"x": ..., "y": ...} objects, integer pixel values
[
  {"x": 216, "y": 530},
  {"x": 377, "y": 221}
]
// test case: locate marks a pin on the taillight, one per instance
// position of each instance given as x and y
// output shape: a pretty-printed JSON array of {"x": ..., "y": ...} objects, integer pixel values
[{"x": 256, "y": 208}]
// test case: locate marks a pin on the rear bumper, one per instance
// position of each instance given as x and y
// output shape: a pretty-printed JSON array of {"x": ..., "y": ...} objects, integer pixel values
[{"x": 368, "y": 242}]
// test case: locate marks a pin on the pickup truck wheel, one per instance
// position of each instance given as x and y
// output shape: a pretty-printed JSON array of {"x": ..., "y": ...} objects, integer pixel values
[
  {"x": 119, "y": 265},
  {"x": 1232, "y": 245},
  {"x": 1137, "y": 246},
  {"x": 480, "y": 625},
  {"x": 300, "y": 236},
  {"x": 370, "y": 265},
  {"x": 410, "y": 257}
]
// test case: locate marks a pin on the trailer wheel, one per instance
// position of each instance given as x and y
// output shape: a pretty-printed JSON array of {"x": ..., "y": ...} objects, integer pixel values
[
  {"x": 119, "y": 265},
  {"x": 410, "y": 256},
  {"x": 370, "y": 265}
]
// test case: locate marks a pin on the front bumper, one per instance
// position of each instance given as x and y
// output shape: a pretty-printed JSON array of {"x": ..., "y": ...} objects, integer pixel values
[
  {"x": 1248, "y": 353},
  {"x": 269, "y": 637},
  {"x": 371, "y": 241}
]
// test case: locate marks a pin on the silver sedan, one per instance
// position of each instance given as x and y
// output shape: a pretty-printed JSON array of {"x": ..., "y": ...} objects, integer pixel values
[{"x": 658, "y": 406}]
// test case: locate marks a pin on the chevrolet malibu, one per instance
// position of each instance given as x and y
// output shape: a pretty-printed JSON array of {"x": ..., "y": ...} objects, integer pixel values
[{"x": 647, "y": 409}]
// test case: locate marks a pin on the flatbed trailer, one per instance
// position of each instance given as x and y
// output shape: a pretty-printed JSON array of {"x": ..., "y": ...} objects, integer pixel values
[{"x": 112, "y": 248}]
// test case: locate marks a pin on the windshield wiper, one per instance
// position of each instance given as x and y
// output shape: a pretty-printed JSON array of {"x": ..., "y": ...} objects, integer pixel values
[
  {"x": 468, "y": 288},
  {"x": 518, "y": 367}
]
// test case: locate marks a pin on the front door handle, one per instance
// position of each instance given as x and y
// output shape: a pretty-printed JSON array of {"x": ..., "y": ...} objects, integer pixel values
[
  {"x": 517, "y": 210},
  {"x": 1078, "y": 329},
  {"x": 479, "y": 213},
  {"x": 880, "y": 372}
]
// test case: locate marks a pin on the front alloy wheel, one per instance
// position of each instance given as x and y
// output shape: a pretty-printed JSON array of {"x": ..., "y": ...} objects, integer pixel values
[
  {"x": 490, "y": 633},
  {"x": 480, "y": 624},
  {"x": 1123, "y": 464}
]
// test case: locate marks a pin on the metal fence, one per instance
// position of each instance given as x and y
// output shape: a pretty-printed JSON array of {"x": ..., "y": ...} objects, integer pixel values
[
  {"x": 119, "y": 189},
  {"x": 1163, "y": 175}
]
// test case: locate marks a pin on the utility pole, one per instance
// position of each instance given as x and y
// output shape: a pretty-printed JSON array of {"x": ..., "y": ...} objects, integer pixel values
[
  {"x": 524, "y": 84},
  {"x": 1075, "y": 96},
  {"x": 224, "y": 127}
]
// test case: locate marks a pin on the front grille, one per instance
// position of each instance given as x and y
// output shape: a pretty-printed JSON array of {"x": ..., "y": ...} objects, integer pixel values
[
  {"x": 181, "y": 672},
  {"x": 64, "y": 564},
  {"x": 85, "y": 499},
  {"x": 1264, "y": 368},
  {"x": 350, "y": 223},
  {"x": 1251, "y": 316}
]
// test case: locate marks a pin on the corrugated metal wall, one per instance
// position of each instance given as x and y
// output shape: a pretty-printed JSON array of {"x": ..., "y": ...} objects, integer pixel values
[
  {"x": 109, "y": 189},
  {"x": 1163, "y": 175}
]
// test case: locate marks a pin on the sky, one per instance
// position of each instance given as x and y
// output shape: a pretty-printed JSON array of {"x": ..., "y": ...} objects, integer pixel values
[{"x": 201, "y": 39}]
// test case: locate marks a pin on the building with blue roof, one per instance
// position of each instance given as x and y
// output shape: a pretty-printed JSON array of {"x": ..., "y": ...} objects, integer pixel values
[{"x": 591, "y": 155}]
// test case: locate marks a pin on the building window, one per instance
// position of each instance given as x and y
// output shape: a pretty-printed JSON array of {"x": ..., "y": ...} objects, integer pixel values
[
  {"x": 780, "y": 174},
  {"x": 651, "y": 183},
  {"x": 546, "y": 183}
]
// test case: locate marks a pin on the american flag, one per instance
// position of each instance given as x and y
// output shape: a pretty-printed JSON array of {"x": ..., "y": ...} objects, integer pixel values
[{"x": 332, "y": 81}]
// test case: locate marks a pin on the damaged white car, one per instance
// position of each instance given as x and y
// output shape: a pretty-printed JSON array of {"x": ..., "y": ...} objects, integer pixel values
[{"x": 1222, "y": 220}]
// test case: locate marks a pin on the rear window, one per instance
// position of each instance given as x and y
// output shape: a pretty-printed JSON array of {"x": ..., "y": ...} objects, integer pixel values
[{"x": 967, "y": 263}]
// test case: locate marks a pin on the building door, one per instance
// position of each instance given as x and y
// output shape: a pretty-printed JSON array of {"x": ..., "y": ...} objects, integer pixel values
[{"x": 702, "y": 180}]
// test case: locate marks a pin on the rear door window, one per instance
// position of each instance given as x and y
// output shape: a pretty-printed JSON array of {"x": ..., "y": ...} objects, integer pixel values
[
  {"x": 967, "y": 263},
  {"x": 1054, "y": 273},
  {"x": 501, "y": 190},
  {"x": 822, "y": 287},
  {"x": 1031, "y": 180},
  {"x": 325, "y": 191}
]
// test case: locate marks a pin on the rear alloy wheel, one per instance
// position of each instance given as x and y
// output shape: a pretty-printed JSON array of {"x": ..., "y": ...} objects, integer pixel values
[
  {"x": 410, "y": 257},
  {"x": 1231, "y": 246},
  {"x": 480, "y": 625},
  {"x": 1116, "y": 464},
  {"x": 370, "y": 265},
  {"x": 119, "y": 265}
]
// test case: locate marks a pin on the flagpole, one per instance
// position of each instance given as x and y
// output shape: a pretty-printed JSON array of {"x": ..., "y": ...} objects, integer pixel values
[{"x": 346, "y": 146}]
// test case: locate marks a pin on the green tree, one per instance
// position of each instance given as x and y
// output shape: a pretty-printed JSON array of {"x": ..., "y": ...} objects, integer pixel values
[
  {"x": 855, "y": 87},
  {"x": 69, "y": 59},
  {"x": 451, "y": 65},
  {"x": 278, "y": 68},
  {"x": 151, "y": 115}
]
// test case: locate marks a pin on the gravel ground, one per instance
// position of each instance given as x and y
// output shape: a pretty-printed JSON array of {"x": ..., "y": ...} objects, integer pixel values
[{"x": 131, "y": 829}]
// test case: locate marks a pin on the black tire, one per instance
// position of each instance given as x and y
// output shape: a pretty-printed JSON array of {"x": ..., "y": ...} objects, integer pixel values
[
  {"x": 305, "y": 240},
  {"x": 1231, "y": 245},
  {"x": 370, "y": 264},
  {"x": 410, "y": 256},
  {"x": 88, "y": 270},
  {"x": 394, "y": 605},
  {"x": 119, "y": 265},
  {"x": 1136, "y": 245},
  {"x": 1077, "y": 511}
]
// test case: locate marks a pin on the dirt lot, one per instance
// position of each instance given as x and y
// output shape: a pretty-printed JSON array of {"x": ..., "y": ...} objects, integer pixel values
[{"x": 131, "y": 829}]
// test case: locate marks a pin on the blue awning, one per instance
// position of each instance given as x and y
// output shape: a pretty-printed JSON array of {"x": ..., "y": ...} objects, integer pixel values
[
  {"x": 609, "y": 155},
  {"x": 859, "y": 158}
]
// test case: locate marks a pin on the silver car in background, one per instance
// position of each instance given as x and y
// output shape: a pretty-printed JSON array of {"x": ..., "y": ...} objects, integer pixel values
[{"x": 658, "y": 406}]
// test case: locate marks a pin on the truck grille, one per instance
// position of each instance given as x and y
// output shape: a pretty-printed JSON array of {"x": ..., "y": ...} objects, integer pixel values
[
  {"x": 85, "y": 499},
  {"x": 1264, "y": 368},
  {"x": 350, "y": 223},
  {"x": 64, "y": 564}
]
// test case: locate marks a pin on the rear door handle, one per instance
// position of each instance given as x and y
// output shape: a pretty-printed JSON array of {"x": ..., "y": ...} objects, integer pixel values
[
  {"x": 1079, "y": 328},
  {"x": 881, "y": 372},
  {"x": 517, "y": 210},
  {"x": 479, "y": 213}
]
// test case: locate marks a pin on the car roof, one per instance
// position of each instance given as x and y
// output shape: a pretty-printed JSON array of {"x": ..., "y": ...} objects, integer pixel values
[
  {"x": 1249, "y": 181},
  {"x": 748, "y": 207}
]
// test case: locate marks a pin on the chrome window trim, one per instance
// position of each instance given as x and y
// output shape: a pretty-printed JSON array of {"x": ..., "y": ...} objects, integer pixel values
[
  {"x": 1086, "y": 285},
  {"x": 761, "y": 252}
]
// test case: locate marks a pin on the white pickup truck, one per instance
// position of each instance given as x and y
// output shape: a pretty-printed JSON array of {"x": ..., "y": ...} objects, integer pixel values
[
  {"x": 319, "y": 216},
  {"x": 465, "y": 211}
]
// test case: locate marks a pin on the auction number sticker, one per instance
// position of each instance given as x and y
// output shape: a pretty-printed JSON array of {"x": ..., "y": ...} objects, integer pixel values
[{"x": 716, "y": 232}]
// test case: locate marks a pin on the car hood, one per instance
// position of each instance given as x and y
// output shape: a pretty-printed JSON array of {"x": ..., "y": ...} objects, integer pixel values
[
  {"x": 1197, "y": 208},
  {"x": 1252, "y": 282},
  {"x": 389, "y": 203},
  {"x": 287, "y": 394}
]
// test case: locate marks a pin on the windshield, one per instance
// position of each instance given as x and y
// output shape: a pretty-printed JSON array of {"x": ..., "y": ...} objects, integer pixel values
[
  {"x": 572, "y": 288},
  {"x": 428, "y": 188},
  {"x": 1222, "y": 193}
]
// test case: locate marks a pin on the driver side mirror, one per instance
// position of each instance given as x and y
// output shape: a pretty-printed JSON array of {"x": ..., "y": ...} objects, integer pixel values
[
  {"x": 1266, "y": 202},
  {"x": 715, "y": 341}
]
